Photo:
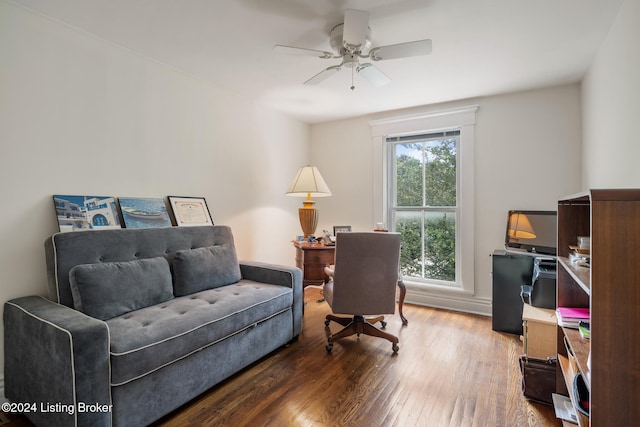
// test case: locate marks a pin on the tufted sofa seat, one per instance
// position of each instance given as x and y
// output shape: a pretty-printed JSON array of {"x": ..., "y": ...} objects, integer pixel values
[
  {"x": 145, "y": 340},
  {"x": 140, "y": 321}
]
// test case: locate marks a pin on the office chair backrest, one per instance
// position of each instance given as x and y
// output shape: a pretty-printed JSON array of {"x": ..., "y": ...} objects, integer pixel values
[{"x": 366, "y": 273}]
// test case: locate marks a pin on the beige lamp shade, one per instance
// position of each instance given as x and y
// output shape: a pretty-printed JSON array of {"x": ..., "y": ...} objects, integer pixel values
[
  {"x": 520, "y": 227},
  {"x": 307, "y": 183}
]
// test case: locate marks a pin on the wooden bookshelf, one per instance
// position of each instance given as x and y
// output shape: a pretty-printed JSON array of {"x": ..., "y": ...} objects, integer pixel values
[
  {"x": 611, "y": 288},
  {"x": 581, "y": 275}
]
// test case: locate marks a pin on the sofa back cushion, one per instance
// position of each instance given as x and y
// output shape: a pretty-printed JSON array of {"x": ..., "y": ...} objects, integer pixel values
[
  {"x": 199, "y": 269},
  {"x": 65, "y": 250},
  {"x": 110, "y": 289}
]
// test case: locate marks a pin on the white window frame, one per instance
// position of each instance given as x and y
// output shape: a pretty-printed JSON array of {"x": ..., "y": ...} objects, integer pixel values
[{"x": 433, "y": 122}]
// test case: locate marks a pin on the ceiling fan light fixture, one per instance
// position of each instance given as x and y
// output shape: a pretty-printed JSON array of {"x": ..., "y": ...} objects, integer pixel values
[
  {"x": 352, "y": 41},
  {"x": 373, "y": 75}
]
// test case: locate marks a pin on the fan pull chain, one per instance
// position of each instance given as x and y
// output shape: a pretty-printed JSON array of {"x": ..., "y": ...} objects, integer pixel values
[{"x": 353, "y": 87}]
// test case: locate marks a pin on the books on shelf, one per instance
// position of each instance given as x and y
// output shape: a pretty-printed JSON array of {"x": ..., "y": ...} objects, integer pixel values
[
  {"x": 584, "y": 242},
  {"x": 585, "y": 329},
  {"x": 581, "y": 253},
  {"x": 570, "y": 317},
  {"x": 578, "y": 254}
]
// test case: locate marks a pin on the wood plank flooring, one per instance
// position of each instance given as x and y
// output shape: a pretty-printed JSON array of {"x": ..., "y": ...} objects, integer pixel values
[{"x": 451, "y": 370}]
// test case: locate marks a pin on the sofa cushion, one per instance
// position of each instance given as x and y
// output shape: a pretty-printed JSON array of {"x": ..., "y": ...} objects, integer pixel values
[
  {"x": 110, "y": 289},
  {"x": 145, "y": 340},
  {"x": 199, "y": 269}
]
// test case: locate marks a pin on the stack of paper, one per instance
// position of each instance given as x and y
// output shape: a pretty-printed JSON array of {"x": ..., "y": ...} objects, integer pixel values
[
  {"x": 570, "y": 317},
  {"x": 564, "y": 408}
]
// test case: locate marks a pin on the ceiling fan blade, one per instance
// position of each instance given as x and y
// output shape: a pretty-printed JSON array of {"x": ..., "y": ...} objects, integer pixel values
[
  {"x": 401, "y": 50},
  {"x": 373, "y": 75},
  {"x": 302, "y": 51},
  {"x": 356, "y": 26},
  {"x": 323, "y": 75}
]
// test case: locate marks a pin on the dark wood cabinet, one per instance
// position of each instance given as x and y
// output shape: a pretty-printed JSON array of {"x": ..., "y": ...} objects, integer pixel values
[
  {"x": 610, "y": 287},
  {"x": 509, "y": 273},
  {"x": 311, "y": 258}
]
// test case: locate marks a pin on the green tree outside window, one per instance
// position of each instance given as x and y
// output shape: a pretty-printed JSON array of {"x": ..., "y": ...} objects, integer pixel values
[{"x": 425, "y": 213}]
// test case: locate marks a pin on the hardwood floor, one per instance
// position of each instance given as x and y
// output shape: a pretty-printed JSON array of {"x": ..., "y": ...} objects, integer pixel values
[{"x": 451, "y": 370}]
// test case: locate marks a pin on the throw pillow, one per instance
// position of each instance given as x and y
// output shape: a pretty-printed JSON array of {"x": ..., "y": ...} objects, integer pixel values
[
  {"x": 109, "y": 289},
  {"x": 205, "y": 268}
]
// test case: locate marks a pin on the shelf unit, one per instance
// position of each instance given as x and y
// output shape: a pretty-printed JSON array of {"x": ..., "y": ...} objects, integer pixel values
[{"x": 611, "y": 288}]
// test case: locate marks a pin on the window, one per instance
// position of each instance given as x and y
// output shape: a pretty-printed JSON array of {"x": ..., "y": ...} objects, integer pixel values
[
  {"x": 423, "y": 203},
  {"x": 423, "y": 188}
]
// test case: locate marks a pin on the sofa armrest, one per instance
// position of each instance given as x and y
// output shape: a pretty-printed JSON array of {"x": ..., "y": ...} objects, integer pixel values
[
  {"x": 56, "y": 361},
  {"x": 282, "y": 275}
]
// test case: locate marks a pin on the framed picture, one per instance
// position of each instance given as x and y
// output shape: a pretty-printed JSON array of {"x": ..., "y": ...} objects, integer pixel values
[
  {"x": 82, "y": 213},
  {"x": 144, "y": 213},
  {"x": 341, "y": 229},
  {"x": 190, "y": 211}
]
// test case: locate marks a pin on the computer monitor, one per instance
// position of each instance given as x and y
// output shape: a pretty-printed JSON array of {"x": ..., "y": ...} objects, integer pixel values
[{"x": 533, "y": 232}]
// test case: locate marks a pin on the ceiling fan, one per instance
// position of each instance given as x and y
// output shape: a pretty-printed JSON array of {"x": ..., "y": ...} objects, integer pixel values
[{"x": 352, "y": 40}]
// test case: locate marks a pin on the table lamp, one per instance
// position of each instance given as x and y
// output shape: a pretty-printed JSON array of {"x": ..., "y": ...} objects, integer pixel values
[
  {"x": 520, "y": 227},
  {"x": 308, "y": 182}
]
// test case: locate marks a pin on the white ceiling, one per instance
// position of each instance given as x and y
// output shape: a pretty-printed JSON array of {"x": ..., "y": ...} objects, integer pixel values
[{"x": 480, "y": 47}]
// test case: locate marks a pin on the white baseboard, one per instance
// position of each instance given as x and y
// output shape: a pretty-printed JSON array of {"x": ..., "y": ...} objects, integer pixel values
[{"x": 464, "y": 303}]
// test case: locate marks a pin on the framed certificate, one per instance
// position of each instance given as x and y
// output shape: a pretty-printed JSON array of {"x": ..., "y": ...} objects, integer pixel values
[{"x": 190, "y": 211}]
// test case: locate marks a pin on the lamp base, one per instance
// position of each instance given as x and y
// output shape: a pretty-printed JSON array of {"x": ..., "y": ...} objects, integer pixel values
[{"x": 308, "y": 218}]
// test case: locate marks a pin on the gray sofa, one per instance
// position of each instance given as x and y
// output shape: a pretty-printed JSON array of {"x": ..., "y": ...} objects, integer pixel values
[{"x": 140, "y": 321}]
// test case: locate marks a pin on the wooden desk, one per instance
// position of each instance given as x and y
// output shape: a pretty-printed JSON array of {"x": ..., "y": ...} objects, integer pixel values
[{"x": 311, "y": 258}]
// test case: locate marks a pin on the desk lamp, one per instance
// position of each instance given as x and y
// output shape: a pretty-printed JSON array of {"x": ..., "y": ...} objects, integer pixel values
[{"x": 308, "y": 182}]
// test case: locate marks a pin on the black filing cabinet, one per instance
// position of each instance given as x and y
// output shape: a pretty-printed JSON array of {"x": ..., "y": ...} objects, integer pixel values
[{"x": 510, "y": 272}]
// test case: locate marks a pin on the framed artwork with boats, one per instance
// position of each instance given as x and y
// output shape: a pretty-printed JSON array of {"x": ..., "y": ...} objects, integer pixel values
[
  {"x": 144, "y": 212},
  {"x": 190, "y": 211}
]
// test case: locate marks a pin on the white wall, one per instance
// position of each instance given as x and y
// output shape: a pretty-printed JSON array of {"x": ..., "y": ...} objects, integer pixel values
[
  {"x": 342, "y": 151},
  {"x": 79, "y": 115},
  {"x": 527, "y": 154},
  {"x": 611, "y": 106}
]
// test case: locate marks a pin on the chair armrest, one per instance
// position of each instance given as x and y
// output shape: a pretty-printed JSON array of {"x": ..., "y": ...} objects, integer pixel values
[
  {"x": 282, "y": 275},
  {"x": 56, "y": 355}
]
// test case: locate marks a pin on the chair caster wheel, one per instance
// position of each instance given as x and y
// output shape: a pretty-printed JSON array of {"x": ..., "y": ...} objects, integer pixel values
[
  {"x": 383, "y": 323},
  {"x": 326, "y": 322},
  {"x": 395, "y": 348},
  {"x": 329, "y": 347}
]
